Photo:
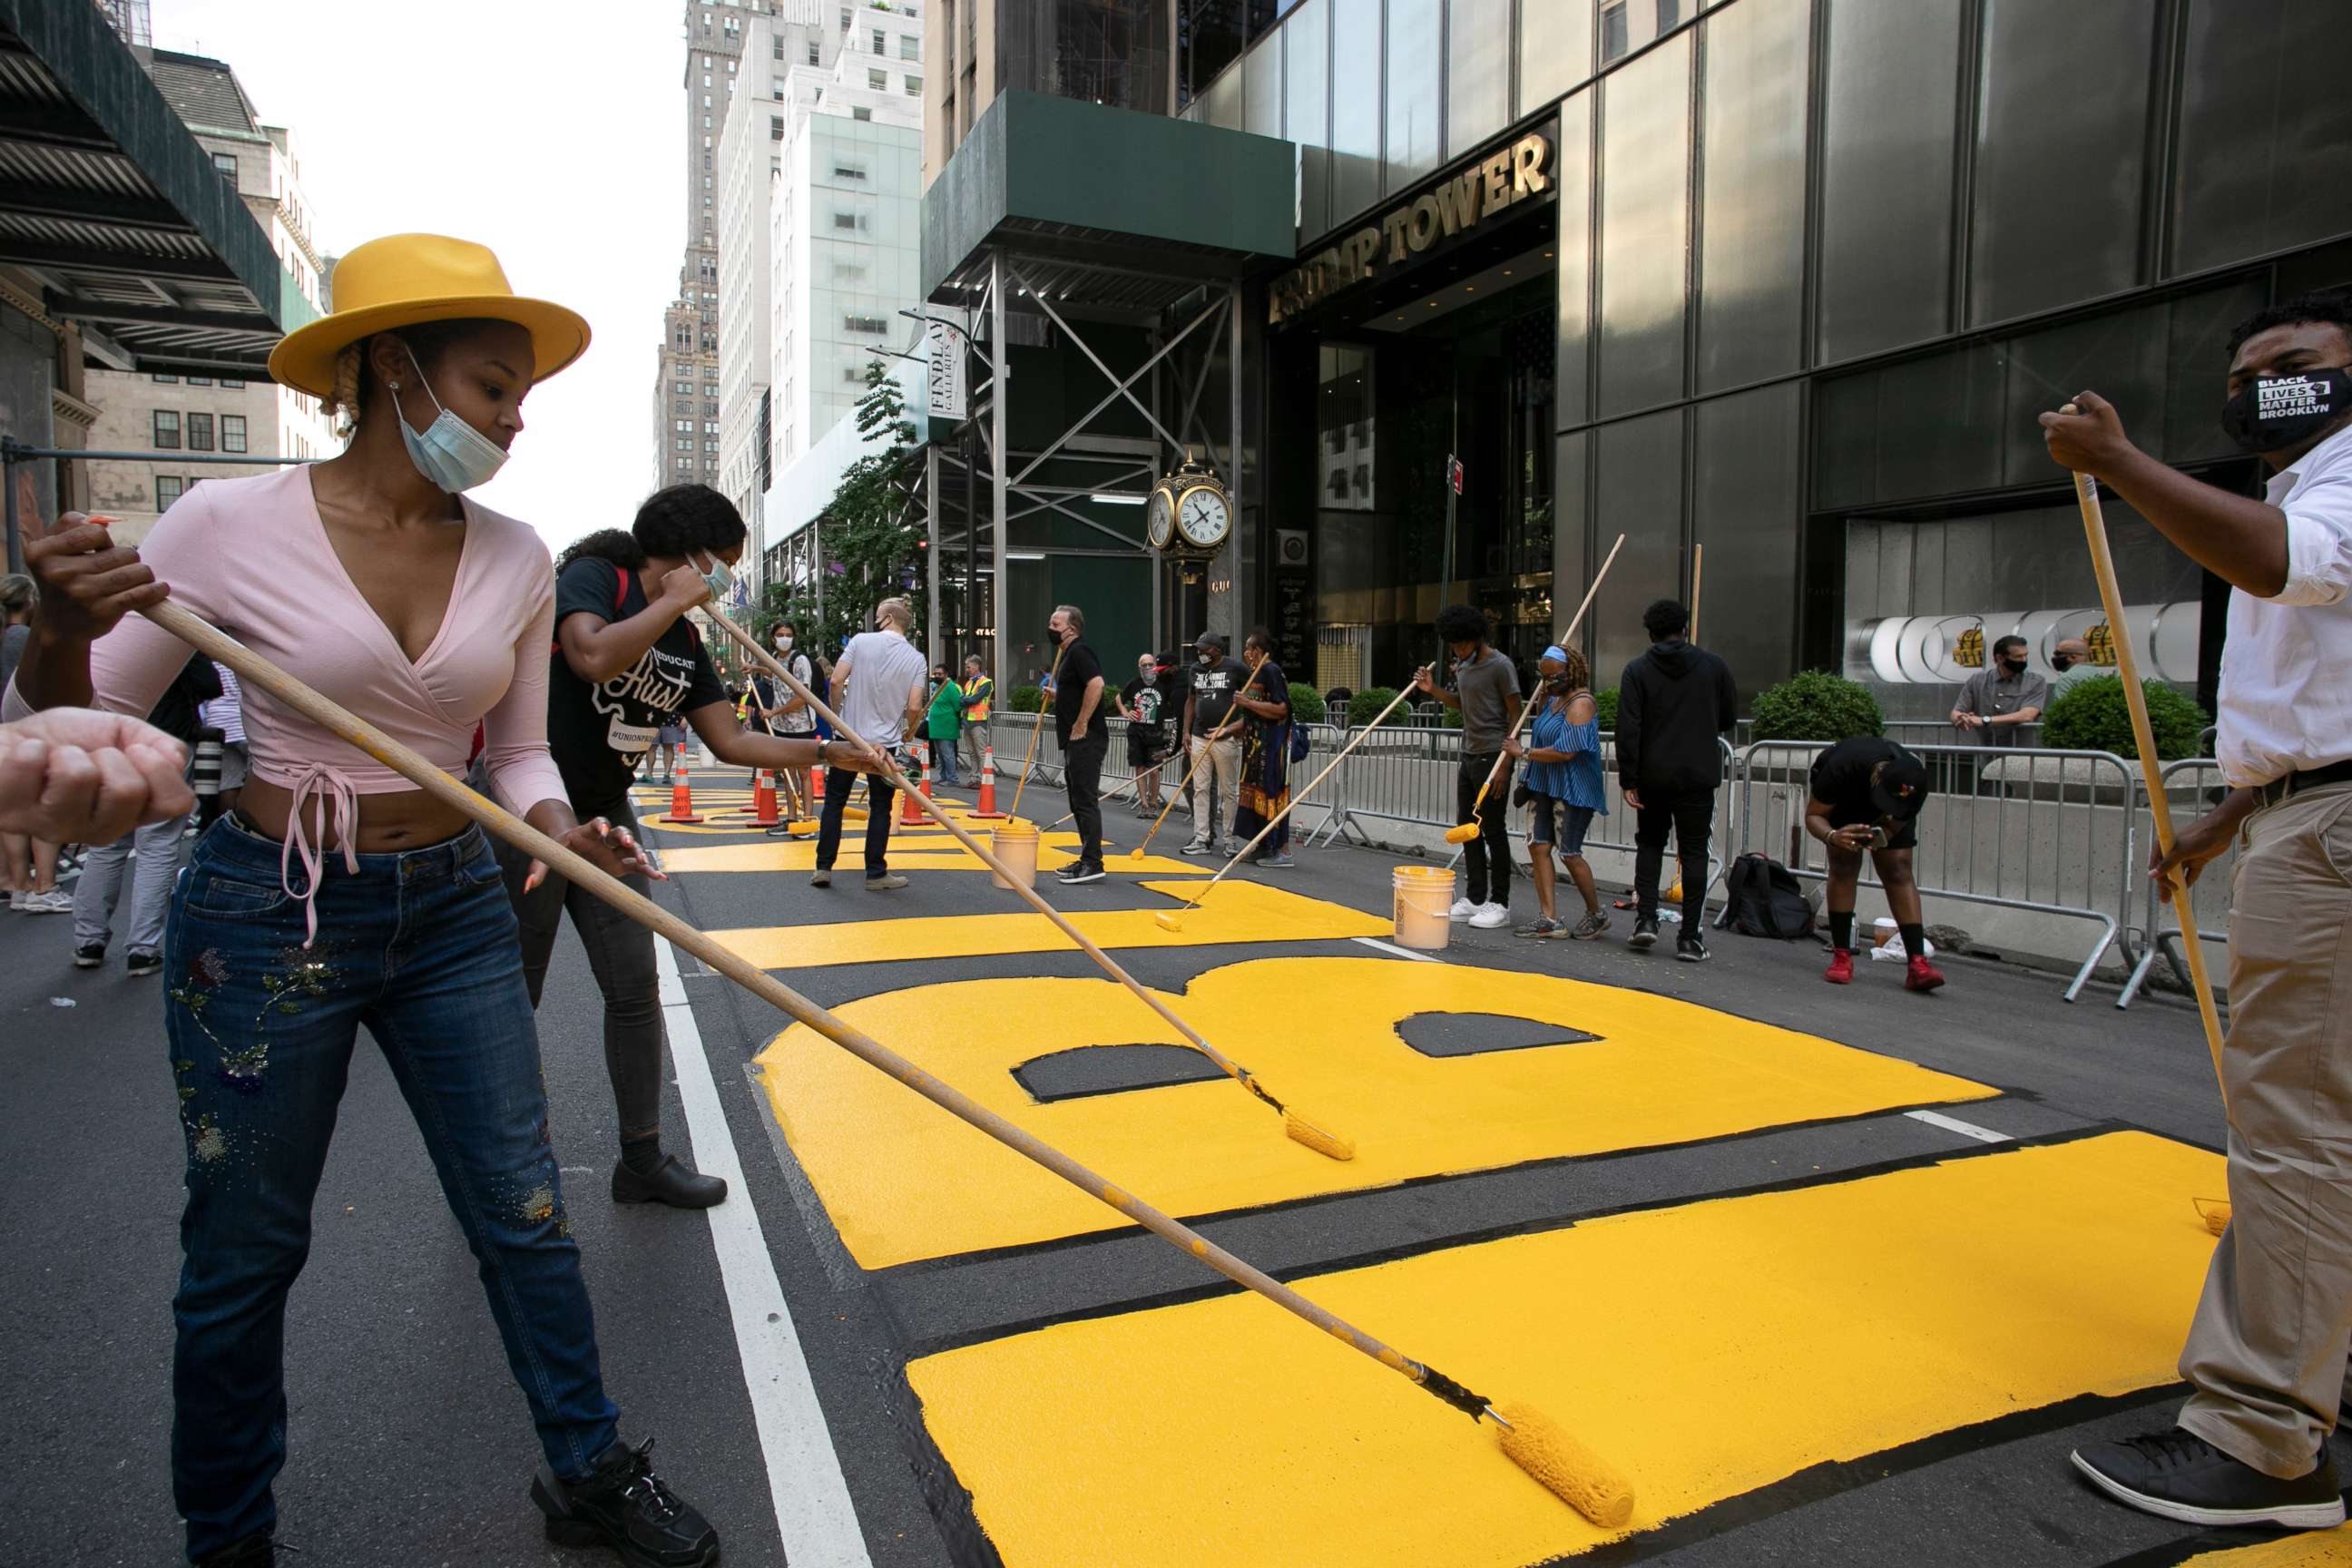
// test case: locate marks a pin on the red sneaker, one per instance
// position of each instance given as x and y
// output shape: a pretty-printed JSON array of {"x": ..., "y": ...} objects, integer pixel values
[
  {"x": 1841, "y": 969},
  {"x": 1922, "y": 976}
]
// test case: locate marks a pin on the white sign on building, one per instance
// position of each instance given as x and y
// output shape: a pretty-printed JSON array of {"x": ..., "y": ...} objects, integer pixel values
[{"x": 947, "y": 390}]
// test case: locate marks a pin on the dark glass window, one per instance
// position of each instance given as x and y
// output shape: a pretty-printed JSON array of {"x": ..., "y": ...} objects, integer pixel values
[
  {"x": 167, "y": 429},
  {"x": 1614, "y": 41},
  {"x": 1891, "y": 98},
  {"x": 1752, "y": 193},
  {"x": 200, "y": 432},
  {"x": 168, "y": 488},
  {"x": 2047, "y": 232},
  {"x": 1638, "y": 466},
  {"x": 232, "y": 432},
  {"x": 1645, "y": 227},
  {"x": 1575, "y": 260},
  {"x": 1745, "y": 508},
  {"x": 2265, "y": 130}
]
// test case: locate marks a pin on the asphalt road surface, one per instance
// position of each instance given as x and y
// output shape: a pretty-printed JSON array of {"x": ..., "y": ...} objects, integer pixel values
[{"x": 1838, "y": 1276}]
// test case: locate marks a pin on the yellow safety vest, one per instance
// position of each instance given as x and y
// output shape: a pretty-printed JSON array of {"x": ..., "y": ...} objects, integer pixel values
[{"x": 978, "y": 692}]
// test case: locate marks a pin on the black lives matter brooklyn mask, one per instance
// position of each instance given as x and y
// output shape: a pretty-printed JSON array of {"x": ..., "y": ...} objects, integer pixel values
[{"x": 2278, "y": 411}]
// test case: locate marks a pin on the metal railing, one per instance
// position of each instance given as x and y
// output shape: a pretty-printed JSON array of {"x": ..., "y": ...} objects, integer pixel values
[
  {"x": 2193, "y": 785},
  {"x": 2047, "y": 832}
]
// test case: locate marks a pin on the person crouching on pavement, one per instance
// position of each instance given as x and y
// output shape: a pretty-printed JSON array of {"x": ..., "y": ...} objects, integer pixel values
[
  {"x": 1564, "y": 790},
  {"x": 1866, "y": 795}
]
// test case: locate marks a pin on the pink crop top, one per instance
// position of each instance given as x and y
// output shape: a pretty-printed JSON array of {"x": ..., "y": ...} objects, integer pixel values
[{"x": 252, "y": 557}]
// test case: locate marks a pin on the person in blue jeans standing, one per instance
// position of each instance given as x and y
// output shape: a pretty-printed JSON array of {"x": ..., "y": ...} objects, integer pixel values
[{"x": 1563, "y": 790}]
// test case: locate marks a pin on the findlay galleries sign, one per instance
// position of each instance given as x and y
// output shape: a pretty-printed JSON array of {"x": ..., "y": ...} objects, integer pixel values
[{"x": 1456, "y": 204}]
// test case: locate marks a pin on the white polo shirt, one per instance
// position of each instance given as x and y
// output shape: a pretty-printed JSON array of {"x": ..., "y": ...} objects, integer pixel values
[{"x": 2286, "y": 668}]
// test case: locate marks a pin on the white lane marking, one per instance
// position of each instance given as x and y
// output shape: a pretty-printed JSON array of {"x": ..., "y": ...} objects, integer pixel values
[
  {"x": 1953, "y": 1124},
  {"x": 814, "y": 1513},
  {"x": 1399, "y": 951}
]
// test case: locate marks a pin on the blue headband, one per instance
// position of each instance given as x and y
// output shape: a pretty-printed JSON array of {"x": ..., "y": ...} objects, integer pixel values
[{"x": 1556, "y": 652}]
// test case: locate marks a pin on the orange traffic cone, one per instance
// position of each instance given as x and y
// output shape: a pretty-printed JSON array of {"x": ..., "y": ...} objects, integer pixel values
[
  {"x": 681, "y": 798},
  {"x": 909, "y": 814},
  {"x": 764, "y": 799},
  {"x": 987, "y": 808}
]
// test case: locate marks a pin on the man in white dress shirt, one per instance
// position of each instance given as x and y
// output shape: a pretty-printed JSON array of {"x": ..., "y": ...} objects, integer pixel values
[{"x": 2265, "y": 1357}]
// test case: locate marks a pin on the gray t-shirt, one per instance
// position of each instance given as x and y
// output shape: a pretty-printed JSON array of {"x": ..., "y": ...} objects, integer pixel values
[
  {"x": 12, "y": 649},
  {"x": 1989, "y": 692},
  {"x": 1483, "y": 685},
  {"x": 883, "y": 667}
]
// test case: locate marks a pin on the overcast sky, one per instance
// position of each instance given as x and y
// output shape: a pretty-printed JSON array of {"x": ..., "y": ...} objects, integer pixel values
[{"x": 550, "y": 132}]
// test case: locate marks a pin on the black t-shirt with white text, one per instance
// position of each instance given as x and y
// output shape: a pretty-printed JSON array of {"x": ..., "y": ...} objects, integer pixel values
[
  {"x": 1213, "y": 687},
  {"x": 599, "y": 731},
  {"x": 1079, "y": 668}
]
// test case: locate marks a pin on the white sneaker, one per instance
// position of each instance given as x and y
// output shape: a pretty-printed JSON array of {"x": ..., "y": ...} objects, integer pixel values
[
  {"x": 50, "y": 903},
  {"x": 1462, "y": 911},
  {"x": 1489, "y": 916}
]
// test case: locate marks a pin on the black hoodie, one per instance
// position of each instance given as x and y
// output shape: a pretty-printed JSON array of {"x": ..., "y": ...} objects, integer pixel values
[{"x": 1671, "y": 703}]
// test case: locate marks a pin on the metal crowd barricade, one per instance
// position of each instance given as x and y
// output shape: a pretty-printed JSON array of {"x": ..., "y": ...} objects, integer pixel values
[
  {"x": 1400, "y": 773},
  {"x": 2194, "y": 784},
  {"x": 2045, "y": 832}
]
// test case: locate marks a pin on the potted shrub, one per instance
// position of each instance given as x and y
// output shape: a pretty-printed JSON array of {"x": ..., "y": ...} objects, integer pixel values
[
  {"x": 2094, "y": 716},
  {"x": 1814, "y": 705}
]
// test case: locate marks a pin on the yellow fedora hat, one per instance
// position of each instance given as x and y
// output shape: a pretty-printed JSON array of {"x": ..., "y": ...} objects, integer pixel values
[{"x": 404, "y": 278}]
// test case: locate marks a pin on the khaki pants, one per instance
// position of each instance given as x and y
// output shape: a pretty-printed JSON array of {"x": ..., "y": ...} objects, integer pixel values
[
  {"x": 1223, "y": 770},
  {"x": 2266, "y": 1353}
]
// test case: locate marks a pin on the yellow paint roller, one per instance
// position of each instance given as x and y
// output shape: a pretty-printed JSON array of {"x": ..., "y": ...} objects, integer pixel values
[
  {"x": 1534, "y": 1441},
  {"x": 2215, "y": 1214},
  {"x": 1184, "y": 783},
  {"x": 1463, "y": 831},
  {"x": 1295, "y": 1126},
  {"x": 1174, "y": 920}
]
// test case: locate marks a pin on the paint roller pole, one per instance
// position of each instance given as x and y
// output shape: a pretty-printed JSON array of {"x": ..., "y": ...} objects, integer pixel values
[
  {"x": 1698, "y": 560},
  {"x": 1545, "y": 1450},
  {"x": 1295, "y": 1126},
  {"x": 1036, "y": 728},
  {"x": 1174, "y": 920},
  {"x": 2160, "y": 808},
  {"x": 1186, "y": 783},
  {"x": 1463, "y": 831}
]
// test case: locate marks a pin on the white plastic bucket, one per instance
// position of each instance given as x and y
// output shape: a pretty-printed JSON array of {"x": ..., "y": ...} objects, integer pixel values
[
  {"x": 1015, "y": 845},
  {"x": 1423, "y": 896}
]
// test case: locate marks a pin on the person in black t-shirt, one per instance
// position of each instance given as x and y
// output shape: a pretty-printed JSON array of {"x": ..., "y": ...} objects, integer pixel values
[
  {"x": 625, "y": 663},
  {"x": 1142, "y": 703},
  {"x": 1866, "y": 794},
  {"x": 1085, "y": 739}
]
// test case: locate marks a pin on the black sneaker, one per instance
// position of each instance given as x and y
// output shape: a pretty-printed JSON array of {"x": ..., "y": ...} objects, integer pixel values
[
  {"x": 1691, "y": 950},
  {"x": 89, "y": 955},
  {"x": 137, "y": 961},
  {"x": 670, "y": 1183},
  {"x": 1078, "y": 871},
  {"x": 1645, "y": 933},
  {"x": 253, "y": 1552},
  {"x": 2178, "y": 1475},
  {"x": 623, "y": 1505}
]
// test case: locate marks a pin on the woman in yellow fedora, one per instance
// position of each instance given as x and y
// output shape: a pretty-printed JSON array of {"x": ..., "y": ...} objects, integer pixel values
[{"x": 338, "y": 895}]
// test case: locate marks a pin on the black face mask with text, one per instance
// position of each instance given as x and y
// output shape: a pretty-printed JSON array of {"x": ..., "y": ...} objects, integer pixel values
[{"x": 2276, "y": 413}]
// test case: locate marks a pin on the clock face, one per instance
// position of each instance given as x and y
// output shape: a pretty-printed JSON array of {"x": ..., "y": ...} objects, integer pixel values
[
  {"x": 1160, "y": 520},
  {"x": 1202, "y": 518}
]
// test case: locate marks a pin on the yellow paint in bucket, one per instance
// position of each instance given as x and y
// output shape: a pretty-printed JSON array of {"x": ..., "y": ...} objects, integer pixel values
[
  {"x": 1014, "y": 844},
  {"x": 1423, "y": 896}
]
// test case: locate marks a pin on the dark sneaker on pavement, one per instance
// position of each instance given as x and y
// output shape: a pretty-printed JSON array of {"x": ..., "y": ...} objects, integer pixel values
[
  {"x": 89, "y": 955},
  {"x": 1922, "y": 976},
  {"x": 820, "y": 879},
  {"x": 1590, "y": 926},
  {"x": 253, "y": 1552},
  {"x": 141, "y": 963},
  {"x": 889, "y": 881},
  {"x": 1078, "y": 871},
  {"x": 1841, "y": 969},
  {"x": 1195, "y": 848},
  {"x": 1645, "y": 933},
  {"x": 1542, "y": 926},
  {"x": 1691, "y": 950},
  {"x": 2178, "y": 1475},
  {"x": 623, "y": 1505},
  {"x": 670, "y": 1183}
]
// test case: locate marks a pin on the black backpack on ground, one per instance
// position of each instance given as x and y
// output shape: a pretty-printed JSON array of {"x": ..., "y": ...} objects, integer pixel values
[{"x": 1763, "y": 898}]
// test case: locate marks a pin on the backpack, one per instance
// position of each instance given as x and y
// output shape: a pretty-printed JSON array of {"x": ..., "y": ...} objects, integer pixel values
[
  {"x": 1301, "y": 742},
  {"x": 1763, "y": 898}
]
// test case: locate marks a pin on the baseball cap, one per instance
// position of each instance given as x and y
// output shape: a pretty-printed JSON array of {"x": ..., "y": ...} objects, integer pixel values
[{"x": 1900, "y": 788}]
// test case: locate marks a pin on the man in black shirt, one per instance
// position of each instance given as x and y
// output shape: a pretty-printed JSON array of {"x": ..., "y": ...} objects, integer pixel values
[
  {"x": 1212, "y": 748},
  {"x": 626, "y": 662},
  {"x": 1086, "y": 739},
  {"x": 1866, "y": 794},
  {"x": 1672, "y": 704}
]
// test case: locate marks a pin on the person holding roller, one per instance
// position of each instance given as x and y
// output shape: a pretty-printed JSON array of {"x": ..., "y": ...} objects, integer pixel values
[
  {"x": 1265, "y": 789},
  {"x": 627, "y": 661},
  {"x": 1085, "y": 738},
  {"x": 1210, "y": 746},
  {"x": 1565, "y": 791},
  {"x": 339, "y": 894},
  {"x": 2265, "y": 1358},
  {"x": 1673, "y": 702},
  {"x": 877, "y": 689},
  {"x": 1866, "y": 794},
  {"x": 1486, "y": 691}
]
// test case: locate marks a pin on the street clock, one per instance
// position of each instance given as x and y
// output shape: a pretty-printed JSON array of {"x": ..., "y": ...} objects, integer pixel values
[
  {"x": 1159, "y": 516},
  {"x": 1190, "y": 512}
]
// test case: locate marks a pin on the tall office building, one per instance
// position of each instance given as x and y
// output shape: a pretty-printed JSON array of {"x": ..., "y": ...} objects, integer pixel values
[
  {"x": 1119, "y": 53},
  {"x": 227, "y": 411}
]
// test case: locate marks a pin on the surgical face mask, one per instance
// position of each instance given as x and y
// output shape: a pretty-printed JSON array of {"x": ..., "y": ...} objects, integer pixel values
[
  {"x": 1052, "y": 635},
  {"x": 717, "y": 579},
  {"x": 451, "y": 453},
  {"x": 2275, "y": 413},
  {"x": 783, "y": 642},
  {"x": 2062, "y": 662},
  {"x": 2013, "y": 665},
  {"x": 1207, "y": 659}
]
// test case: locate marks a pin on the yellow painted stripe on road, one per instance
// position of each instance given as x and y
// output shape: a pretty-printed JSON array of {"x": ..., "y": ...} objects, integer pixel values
[
  {"x": 1234, "y": 911},
  {"x": 2313, "y": 1549},
  {"x": 937, "y": 854},
  {"x": 904, "y": 1180},
  {"x": 1706, "y": 1350}
]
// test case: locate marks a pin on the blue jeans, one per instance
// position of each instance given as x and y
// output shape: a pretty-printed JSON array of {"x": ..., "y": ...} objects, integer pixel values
[{"x": 421, "y": 948}]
